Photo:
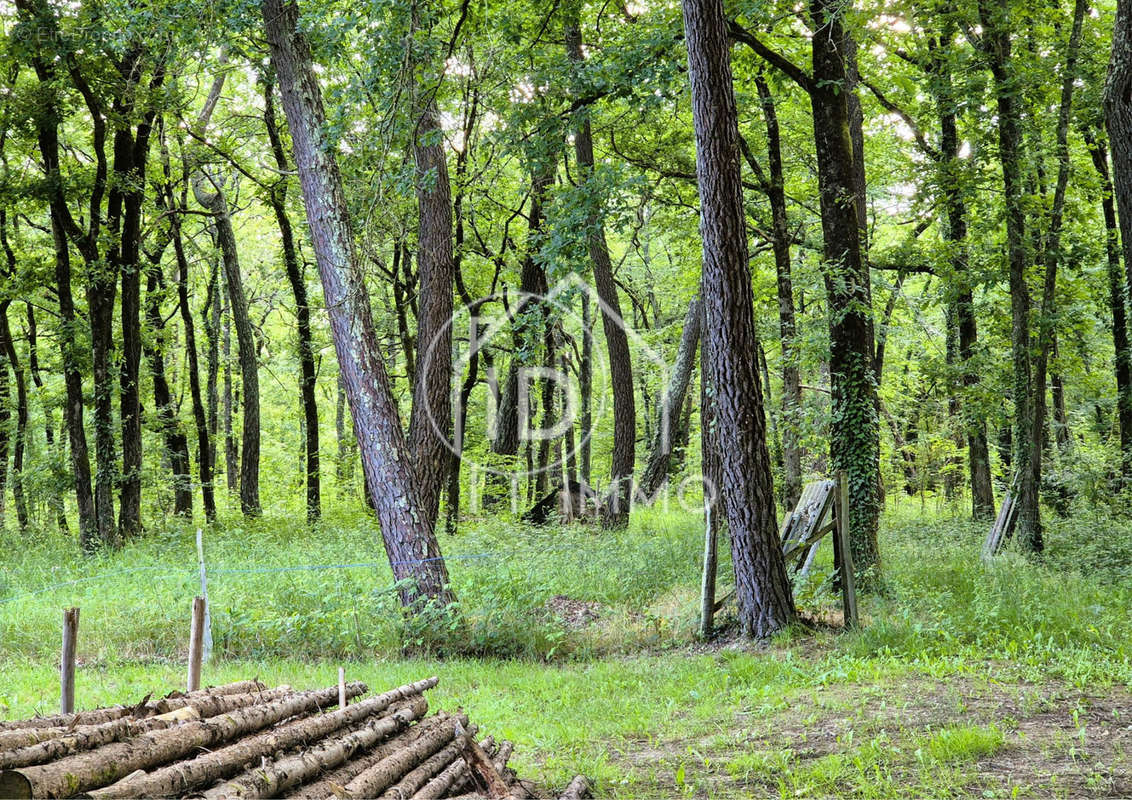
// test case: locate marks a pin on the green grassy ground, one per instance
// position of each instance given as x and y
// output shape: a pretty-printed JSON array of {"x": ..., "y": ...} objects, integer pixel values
[{"x": 965, "y": 681}]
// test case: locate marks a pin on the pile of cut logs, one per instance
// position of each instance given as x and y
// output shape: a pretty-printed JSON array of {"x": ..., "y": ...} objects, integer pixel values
[{"x": 247, "y": 740}]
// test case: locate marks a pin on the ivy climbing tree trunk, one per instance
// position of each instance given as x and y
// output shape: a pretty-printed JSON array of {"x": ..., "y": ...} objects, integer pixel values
[
  {"x": 410, "y": 540},
  {"x": 855, "y": 440},
  {"x": 761, "y": 586}
]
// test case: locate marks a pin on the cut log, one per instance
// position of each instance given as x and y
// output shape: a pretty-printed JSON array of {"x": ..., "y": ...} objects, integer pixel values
[
  {"x": 275, "y": 777},
  {"x": 97, "y": 768},
  {"x": 66, "y": 741},
  {"x": 201, "y": 700},
  {"x": 577, "y": 789},
  {"x": 451, "y": 779},
  {"x": 336, "y": 779},
  {"x": 416, "y": 778},
  {"x": 227, "y": 761},
  {"x": 388, "y": 771}
]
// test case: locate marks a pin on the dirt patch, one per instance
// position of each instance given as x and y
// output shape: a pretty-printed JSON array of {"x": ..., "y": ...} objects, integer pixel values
[{"x": 574, "y": 614}]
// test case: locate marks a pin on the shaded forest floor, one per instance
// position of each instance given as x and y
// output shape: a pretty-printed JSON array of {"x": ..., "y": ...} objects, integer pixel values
[{"x": 1008, "y": 681}]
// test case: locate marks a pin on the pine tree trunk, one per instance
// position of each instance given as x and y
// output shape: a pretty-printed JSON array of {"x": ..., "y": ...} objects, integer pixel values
[
  {"x": 410, "y": 540},
  {"x": 762, "y": 589}
]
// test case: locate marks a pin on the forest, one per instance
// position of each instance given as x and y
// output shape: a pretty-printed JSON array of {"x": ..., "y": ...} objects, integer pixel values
[{"x": 464, "y": 338}]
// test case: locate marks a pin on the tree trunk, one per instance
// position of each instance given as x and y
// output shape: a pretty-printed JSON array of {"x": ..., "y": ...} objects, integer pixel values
[
  {"x": 616, "y": 511},
  {"x": 1117, "y": 304},
  {"x": 210, "y": 318},
  {"x": 410, "y": 541},
  {"x": 430, "y": 422},
  {"x": 176, "y": 443},
  {"x": 277, "y": 197},
  {"x": 585, "y": 386},
  {"x": 668, "y": 417},
  {"x": 231, "y": 447},
  {"x": 21, "y": 418},
  {"x": 955, "y": 233},
  {"x": 54, "y": 499},
  {"x": 780, "y": 244},
  {"x": 762, "y": 589},
  {"x": 1118, "y": 119},
  {"x": 855, "y": 439},
  {"x": 200, "y": 418}
]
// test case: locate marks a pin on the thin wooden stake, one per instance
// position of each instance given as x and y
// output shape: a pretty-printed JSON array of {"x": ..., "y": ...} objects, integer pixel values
[
  {"x": 707, "y": 585},
  {"x": 67, "y": 662},
  {"x": 841, "y": 541},
  {"x": 196, "y": 642},
  {"x": 341, "y": 687}
]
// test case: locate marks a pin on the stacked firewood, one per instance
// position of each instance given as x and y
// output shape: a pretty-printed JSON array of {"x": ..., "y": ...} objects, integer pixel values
[{"x": 247, "y": 740}]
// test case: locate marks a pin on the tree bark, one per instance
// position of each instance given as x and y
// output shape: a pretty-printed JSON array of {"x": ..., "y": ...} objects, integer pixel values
[
  {"x": 410, "y": 540},
  {"x": 277, "y": 197},
  {"x": 1118, "y": 119},
  {"x": 1117, "y": 305},
  {"x": 616, "y": 511},
  {"x": 855, "y": 440},
  {"x": 430, "y": 422},
  {"x": 762, "y": 589}
]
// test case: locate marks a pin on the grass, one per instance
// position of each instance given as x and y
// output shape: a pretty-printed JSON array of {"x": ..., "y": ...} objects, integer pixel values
[{"x": 1009, "y": 680}]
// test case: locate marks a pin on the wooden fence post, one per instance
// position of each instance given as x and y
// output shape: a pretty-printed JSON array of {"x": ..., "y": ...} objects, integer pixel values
[
  {"x": 841, "y": 542},
  {"x": 196, "y": 643},
  {"x": 341, "y": 687},
  {"x": 67, "y": 662}
]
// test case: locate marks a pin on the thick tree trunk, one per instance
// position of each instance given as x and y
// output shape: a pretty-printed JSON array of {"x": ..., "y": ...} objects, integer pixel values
[
  {"x": 780, "y": 244},
  {"x": 616, "y": 512},
  {"x": 231, "y": 447},
  {"x": 210, "y": 318},
  {"x": 278, "y": 200},
  {"x": 430, "y": 422},
  {"x": 762, "y": 589},
  {"x": 410, "y": 541},
  {"x": 668, "y": 418},
  {"x": 1118, "y": 306},
  {"x": 855, "y": 440},
  {"x": 1118, "y": 119}
]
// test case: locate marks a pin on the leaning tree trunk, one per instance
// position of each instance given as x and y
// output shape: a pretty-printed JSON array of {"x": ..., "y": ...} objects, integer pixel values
[
  {"x": 1118, "y": 118},
  {"x": 277, "y": 198},
  {"x": 780, "y": 244},
  {"x": 762, "y": 589},
  {"x": 668, "y": 418},
  {"x": 430, "y": 421},
  {"x": 616, "y": 511},
  {"x": 410, "y": 540},
  {"x": 855, "y": 441}
]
